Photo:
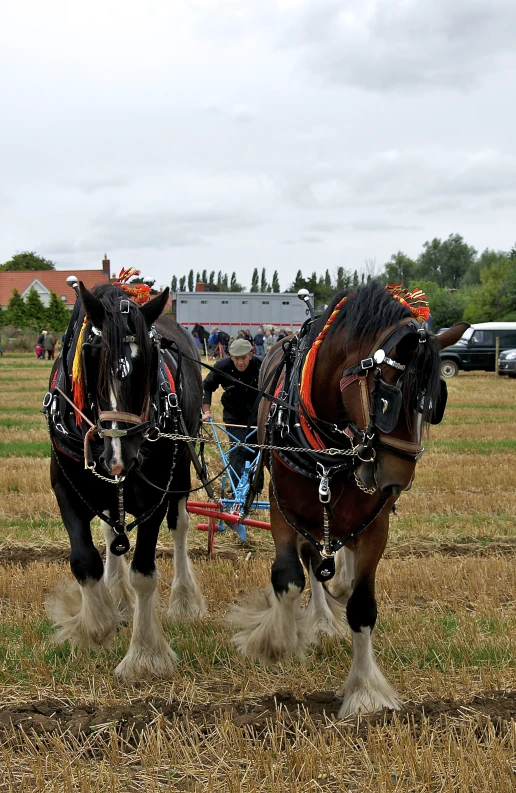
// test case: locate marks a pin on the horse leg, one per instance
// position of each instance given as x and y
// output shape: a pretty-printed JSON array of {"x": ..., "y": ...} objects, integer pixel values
[
  {"x": 116, "y": 576},
  {"x": 341, "y": 586},
  {"x": 324, "y": 613},
  {"x": 186, "y": 600},
  {"x": 149, "y": 654},
  {"x": 82, "y": 610},
  {"x": 273, "y": 624},
  {"x": 366, "y": 689}
]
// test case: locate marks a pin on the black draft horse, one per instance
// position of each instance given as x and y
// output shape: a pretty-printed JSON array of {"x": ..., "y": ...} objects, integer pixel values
[
  {"x": 128, "y": 389},
  {"x": 365, "y": 381}
]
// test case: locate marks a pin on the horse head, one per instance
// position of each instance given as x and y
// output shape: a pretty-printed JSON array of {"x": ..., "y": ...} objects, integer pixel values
[
  {"x": 119, "y": 369},
  {"x": 385, "y": 369}
]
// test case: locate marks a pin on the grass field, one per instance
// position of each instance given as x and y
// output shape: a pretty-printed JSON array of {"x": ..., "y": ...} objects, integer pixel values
[{"x": 446, "y": 638}]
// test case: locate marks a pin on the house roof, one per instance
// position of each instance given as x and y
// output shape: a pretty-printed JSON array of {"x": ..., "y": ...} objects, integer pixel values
[{"x": 54, "y": 280}]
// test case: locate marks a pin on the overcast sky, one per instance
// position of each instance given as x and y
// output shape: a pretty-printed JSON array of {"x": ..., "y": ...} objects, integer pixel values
[{"x": 227, "y": 134}]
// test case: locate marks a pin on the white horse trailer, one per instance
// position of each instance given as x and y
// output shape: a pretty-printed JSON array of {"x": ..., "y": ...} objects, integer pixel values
[{"x": 232, "y": 311}]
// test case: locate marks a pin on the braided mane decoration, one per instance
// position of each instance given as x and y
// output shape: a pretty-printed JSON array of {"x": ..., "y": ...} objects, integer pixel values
[
  {"x": 415, "y": 301},
  {"x": 140, "y": 293},
  {"x": 305, "y": 389}
]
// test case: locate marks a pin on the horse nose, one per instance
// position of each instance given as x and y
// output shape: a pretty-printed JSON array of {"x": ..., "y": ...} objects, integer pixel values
[{"x": 391, "y": 490}]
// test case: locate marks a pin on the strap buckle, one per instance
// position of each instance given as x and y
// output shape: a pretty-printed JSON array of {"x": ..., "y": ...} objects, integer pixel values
[{"x": 367, "y": 363}]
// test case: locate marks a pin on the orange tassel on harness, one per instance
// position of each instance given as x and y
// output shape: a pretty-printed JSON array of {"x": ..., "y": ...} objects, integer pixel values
[{"x": 78, "y": 395}]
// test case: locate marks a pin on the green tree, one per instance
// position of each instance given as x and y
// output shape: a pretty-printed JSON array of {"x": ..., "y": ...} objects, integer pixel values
[
  {"x": 204, "y": 276},
  {"x": 446, "y": 262},
  {"x": 275, "y": 282},
  {"x": 234, "y": 285},
  {"x": 57, "y": 315},
  {"x": 28, "y": 260},
  {"x": 263, "y": 281},
  {"x": 255, "y": 281},
  {"x": 400, "y": 269},
  {"x": 35, "y": 312},
  {"x": 495, "y": 298},
  {"x": 15, "y": 312},
  {"x": 211, "y": 281},
  {"x": 191, "y": 285},
  {"x": 182, "y": 283},
  {"x": 343, "y": 280},
  {"x": 447, "y": 307},
  {"x": 225, "y": 285},
  {"x": 356, "y": 280},
  {"x": 173, "y": 284}
]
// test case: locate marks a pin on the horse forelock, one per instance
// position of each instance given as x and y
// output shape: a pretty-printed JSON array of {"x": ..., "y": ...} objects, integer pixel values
[{"x": 115, "y": 328}]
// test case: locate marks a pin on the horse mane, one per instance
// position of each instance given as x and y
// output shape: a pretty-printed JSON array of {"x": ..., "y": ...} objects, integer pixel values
[
  {"x": 370, "y": 309},
  {"x": 114, "y": 328}
]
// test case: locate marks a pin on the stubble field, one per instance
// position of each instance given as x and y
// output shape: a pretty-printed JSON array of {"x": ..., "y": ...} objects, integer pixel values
[{"x": 446, "y": 639}]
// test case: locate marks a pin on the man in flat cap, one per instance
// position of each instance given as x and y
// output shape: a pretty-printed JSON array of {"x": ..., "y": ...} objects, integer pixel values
[{"x": 238, "y": 398}]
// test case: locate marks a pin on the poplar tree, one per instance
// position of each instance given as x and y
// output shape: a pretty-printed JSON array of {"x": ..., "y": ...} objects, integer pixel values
[
  {"x": 190, "y": 281},
  {"x": 275, "y": 282},
  {"x": 57, "y": 314},
  {"x": 263, "y": 281},
  {"x": 15, "y": 313},
  {"x": 35, "y": 312},
  {"x": 255, "y": 281}
]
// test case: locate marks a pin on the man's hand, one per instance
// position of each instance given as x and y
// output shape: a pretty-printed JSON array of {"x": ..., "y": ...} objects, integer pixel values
[{"x": 206, "y": 414}]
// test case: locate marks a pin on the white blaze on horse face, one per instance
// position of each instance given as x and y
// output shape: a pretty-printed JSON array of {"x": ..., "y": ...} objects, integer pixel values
[
  {"x": 116, "y": 446},
  {"x": 134, "y": 350}
]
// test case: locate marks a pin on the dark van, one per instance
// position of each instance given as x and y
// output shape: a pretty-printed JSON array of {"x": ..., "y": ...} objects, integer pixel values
[{"x": 476, "y": 350}]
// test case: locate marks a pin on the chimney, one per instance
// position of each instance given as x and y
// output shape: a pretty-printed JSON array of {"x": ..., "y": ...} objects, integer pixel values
[
  {"x": 105, "y": 265},
  {"x": 200, "y": 286}
]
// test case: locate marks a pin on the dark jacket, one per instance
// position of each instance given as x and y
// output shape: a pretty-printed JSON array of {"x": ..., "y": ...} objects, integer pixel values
[{"x": 237, "y": 400}]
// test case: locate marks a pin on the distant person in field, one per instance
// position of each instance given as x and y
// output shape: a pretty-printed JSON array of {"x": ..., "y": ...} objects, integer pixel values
[
  {"x": 258, "y": 344},
  {"x": 48, "y": 345},
  {"x": 268, "y": 341}
]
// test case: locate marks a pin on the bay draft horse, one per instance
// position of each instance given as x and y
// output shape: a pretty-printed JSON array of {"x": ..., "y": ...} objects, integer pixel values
[
  {"x": 127, "y": 389},
  {"x": 369, "y": 384}
]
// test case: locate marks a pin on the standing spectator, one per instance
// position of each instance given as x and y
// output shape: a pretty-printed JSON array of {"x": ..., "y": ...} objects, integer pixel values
[
  {"x": 247, "y": 336},
  {"x": 258, "y": 343},
  {"x": 48, "y": 345},
  {"x": 213, "y": 341},
  {"x": 268, "y": 341}
]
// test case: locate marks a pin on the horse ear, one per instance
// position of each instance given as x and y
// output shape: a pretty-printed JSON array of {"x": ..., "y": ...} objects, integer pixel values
[
  {"x": 452, "y": 335},
  {"x": 152, "y": 310},
  {"x": 93, "y": 306}
]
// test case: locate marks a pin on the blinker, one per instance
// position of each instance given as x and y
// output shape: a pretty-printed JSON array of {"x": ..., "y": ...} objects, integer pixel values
[{"x": 387, "y": 406}]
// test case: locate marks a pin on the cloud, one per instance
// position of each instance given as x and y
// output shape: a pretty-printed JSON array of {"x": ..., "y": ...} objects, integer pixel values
[
  {"x": 95, "y": 184},
  {"x": 390, "y": 45},
  {"x": 160, "y": 230}
]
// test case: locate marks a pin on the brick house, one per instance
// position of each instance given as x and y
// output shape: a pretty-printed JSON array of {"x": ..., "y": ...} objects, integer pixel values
[{"x": 46, "y": 281}]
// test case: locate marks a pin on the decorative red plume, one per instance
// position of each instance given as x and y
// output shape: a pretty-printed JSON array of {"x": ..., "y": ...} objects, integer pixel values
[
  {"x": 140, "y": 293},
  {"x": 415, "y": 301}
]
